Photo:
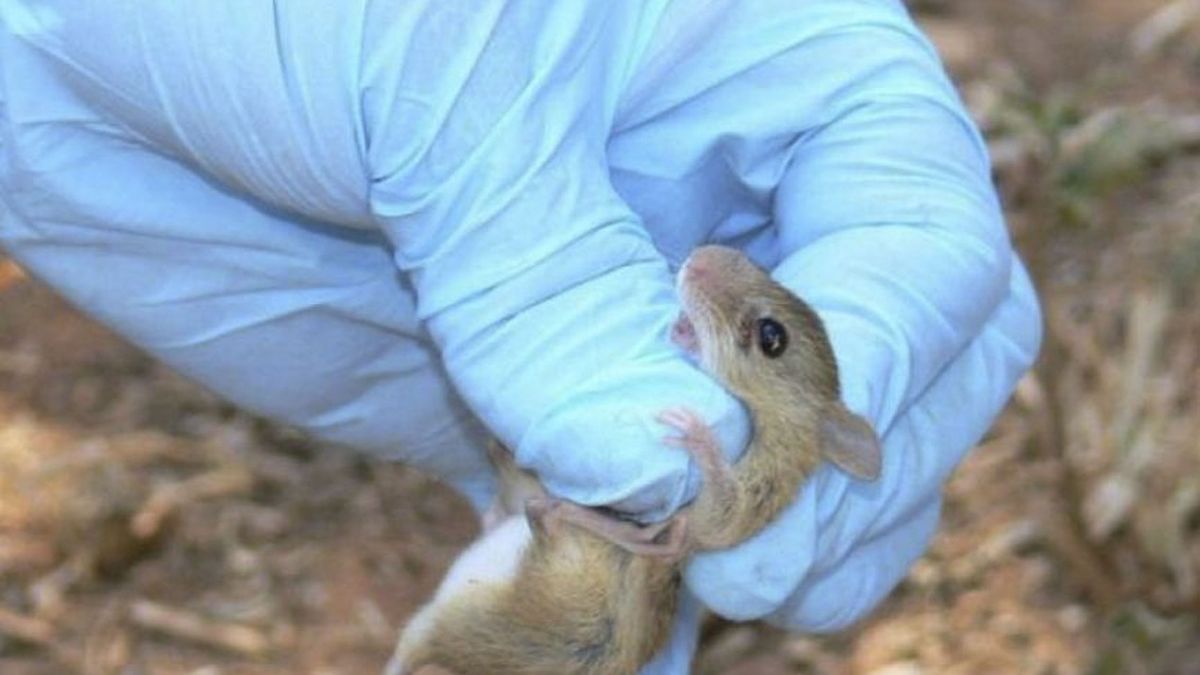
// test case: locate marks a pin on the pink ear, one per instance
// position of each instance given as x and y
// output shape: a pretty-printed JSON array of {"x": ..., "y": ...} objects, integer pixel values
[{"x": 849, "y": 442}]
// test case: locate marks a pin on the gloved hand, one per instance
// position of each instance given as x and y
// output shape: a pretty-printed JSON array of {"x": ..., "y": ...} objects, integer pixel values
[
  {"x": 472, "y": 136},
  {"x": 192, "y": 174},
  {"x": 866, "y": 187}
]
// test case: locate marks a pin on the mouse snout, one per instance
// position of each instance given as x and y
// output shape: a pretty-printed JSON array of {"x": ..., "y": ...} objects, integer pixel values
[
  {"x": 713, "y": 259},
  {"x": 708, "y": 269},
  {"x": 703, "y": 262},
  {"x": 694, "y": 270}
]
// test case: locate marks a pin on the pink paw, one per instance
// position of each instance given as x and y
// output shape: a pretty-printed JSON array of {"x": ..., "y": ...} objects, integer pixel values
[{"x": 695, "y": 435}]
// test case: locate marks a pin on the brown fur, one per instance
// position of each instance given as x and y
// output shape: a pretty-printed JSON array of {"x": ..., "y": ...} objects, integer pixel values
[
  {"x": 582, "y": 605},
  {"x": 723, "y": 293},
  {"x": 579, "y": 605}
]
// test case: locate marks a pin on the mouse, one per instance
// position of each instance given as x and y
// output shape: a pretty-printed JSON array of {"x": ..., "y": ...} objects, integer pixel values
[{"x": 555, "y": 587}]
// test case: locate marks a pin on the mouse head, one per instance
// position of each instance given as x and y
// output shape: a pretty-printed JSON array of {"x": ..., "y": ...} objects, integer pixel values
[
  {"x": 770, "y": 349},
  {"x": 749, "y": 331}
]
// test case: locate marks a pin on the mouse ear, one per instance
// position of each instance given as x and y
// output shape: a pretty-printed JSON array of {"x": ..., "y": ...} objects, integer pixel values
[{"x": 849, "y": 442}]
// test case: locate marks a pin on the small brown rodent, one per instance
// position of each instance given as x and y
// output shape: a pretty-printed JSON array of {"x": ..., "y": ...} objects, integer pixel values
[{"x": 570, "y": 590}]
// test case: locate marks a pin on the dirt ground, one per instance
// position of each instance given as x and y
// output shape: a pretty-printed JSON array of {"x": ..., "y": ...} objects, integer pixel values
[{"x": 148, "y": 528}]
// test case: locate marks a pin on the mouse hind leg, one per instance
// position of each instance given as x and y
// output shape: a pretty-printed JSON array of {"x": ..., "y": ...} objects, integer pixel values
[
  {"x": 516, "y": 486},
  {"x": 660, "y": 540}
]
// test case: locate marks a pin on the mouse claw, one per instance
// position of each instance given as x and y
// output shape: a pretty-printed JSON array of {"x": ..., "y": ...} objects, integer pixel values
[
  {"x": 683, "y": 419},
  {"x": 695, "y": 434}
]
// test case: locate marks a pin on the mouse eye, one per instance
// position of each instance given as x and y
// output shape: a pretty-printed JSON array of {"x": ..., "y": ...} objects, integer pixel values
[{"x": 772, "y": 337}]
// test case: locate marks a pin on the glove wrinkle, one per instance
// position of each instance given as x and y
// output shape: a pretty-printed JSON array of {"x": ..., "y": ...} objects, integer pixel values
[{"x": 525, "y": 170}]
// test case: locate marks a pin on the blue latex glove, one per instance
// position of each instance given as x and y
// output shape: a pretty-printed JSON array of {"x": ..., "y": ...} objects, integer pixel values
[
  {"x": 225, "y": 183},
  {"x": 858, "y": 177}
]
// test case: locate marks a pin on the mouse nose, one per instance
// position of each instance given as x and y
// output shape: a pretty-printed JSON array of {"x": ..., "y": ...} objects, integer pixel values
[
  {"x": 696, "y": 274},
  {"x": 707, "y": 261},
  {"x": 695, "y": 269}
]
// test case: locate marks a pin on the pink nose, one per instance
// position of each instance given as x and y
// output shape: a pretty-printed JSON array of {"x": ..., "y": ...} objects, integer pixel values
[
  {"x": 696, "y": 269},
  {"x": 707, "y": 261}
]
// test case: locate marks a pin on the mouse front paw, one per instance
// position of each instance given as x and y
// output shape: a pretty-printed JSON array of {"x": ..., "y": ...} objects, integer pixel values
[
  {"x": 697, "y": 438},
  {"x": 695, "y": 435}
]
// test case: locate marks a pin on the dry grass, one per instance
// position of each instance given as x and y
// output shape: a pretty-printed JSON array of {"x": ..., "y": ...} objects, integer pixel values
[{"x": 145, "y": 527}]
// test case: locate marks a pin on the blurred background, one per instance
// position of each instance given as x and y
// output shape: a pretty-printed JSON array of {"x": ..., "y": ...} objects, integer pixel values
[{"x": 146, "y": 527}]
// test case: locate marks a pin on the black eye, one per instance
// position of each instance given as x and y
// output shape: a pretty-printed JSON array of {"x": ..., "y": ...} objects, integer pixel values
[{"x": 772, "y": 337}]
